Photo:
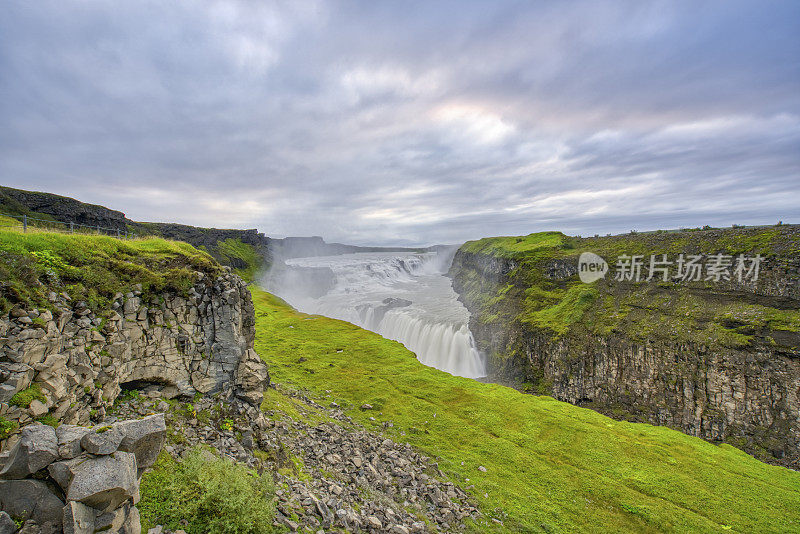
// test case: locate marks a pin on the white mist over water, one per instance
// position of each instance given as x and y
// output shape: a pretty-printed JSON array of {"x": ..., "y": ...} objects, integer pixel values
[{"x": 402, "y": 296}]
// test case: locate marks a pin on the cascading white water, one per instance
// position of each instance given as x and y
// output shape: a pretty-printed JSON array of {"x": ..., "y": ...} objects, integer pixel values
[{"x": 402, "y": 296}]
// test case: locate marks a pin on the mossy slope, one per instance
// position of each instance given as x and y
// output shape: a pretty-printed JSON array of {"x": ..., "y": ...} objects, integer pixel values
[
  {"x": 92, "y": 268},
  {"x": 704, "y": 313},
  {"x": 243, "y": 250},
  {"x": 550, "y": 466}
]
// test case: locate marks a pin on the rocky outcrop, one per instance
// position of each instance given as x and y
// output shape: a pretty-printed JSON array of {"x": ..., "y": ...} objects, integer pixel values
[
  {"x": 747, "y": 395},
  {"x": 74, "y": 362},
  {"x": 209, "y": 239},
  {"x": 79, "y": 480}
]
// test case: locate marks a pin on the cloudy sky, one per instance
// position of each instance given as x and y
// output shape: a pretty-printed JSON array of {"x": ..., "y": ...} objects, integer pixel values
[{"x": 407, "y": 122}]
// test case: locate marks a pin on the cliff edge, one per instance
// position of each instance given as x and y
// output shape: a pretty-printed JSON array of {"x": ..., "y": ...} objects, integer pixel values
[{"x": 84, "y": 318}]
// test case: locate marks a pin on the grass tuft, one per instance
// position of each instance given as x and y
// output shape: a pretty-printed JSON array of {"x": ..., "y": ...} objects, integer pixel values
[
  {"x": 92, "y": 268},
  {"x": 24, "y": 398}
]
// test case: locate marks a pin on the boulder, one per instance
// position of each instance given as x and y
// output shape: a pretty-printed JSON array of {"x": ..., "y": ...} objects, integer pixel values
[
  {"x": 37, "y": 408},
  {"x": 31, "y": 500},
  {"x": 36, "y": 449},
  {"x": 78, "y": 518},
  {"x": 62, "y": 471},
  {"x": 133, "y": 523},
  {"x": 102, "y": 440},
  {"x": 14, "y": 377},
  {"x": 7, "y": 391},
  {"x": 32, "y": 527},
  {"x": 7, "y": 525},
  {"x": 69, "y": 440},
  {"x": 144, "y": 438},
  {"x": 123, "y": 520},
  {"x": 104, "y": 482}
]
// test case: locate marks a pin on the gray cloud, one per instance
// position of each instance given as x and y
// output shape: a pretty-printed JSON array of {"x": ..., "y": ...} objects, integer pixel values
[{"x": 372, "y": 122}]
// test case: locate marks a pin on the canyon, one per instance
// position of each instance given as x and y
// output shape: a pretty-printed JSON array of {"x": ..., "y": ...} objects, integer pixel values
[{"x": 719, "y": 361}]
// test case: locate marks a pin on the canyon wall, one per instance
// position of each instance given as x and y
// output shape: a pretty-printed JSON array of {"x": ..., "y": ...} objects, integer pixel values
[{"x": 718, "y": 361}]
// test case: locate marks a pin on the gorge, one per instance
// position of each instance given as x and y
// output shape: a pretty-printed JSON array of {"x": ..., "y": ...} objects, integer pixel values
[{"x": 719, "y": 360}]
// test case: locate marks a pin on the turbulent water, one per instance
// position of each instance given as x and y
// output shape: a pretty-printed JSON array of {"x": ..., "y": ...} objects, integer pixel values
[{"x": 401, "y": 296}]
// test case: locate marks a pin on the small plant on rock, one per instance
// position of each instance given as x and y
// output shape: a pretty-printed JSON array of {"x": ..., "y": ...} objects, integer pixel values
[
  {"x": 24, "y": 398},
  {"x": 7, "y": 427}
]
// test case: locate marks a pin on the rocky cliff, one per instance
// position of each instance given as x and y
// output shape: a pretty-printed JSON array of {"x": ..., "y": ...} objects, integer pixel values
[
  {"x": 82, "y": 320},
  {"x": 35, "y": 203},
  {"x": 72, "y": 363},
  {"x": 719, "y": 359}
]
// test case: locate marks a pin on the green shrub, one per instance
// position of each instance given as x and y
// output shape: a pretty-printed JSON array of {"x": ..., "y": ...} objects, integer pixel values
[
  {"x": 211, "y": 494},
  {"x": 49, "y": 419},
  {"x": 24, "y": 398},
  {"x": 7, "y": 427}
]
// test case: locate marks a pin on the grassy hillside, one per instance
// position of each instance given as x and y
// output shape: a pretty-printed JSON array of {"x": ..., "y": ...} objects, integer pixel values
[
  {"x": 550, "y": 466},
  {"x": 243, "y": 250},
  {"x": 91, "y": 268},
  {"x": 245, "y": 259},
  {"x": 696, "y": 312}
]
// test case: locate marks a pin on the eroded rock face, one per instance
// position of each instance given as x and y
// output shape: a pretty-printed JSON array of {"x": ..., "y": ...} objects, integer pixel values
[{"x": 198, "y": 342}]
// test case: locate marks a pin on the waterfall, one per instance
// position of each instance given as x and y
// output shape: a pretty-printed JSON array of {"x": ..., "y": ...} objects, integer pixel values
[{"x": 401, "y": 296}]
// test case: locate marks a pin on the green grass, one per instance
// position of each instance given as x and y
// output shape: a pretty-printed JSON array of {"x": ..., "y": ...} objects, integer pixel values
[
  {"x": 513, "y": 247},
  {"x": 279, "y": 405},
  {"x": 49, "y": 419},
  {"x": 7, "y": 427},
  {"x": 24, "y": 398},
  {"x": 568, "y": 310},
  {"x": 210, "y": 494},
  {"x": 92, "y": 268},
  {"x": 550, "y": 466},
  {"x": 234, "y": 252}
]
